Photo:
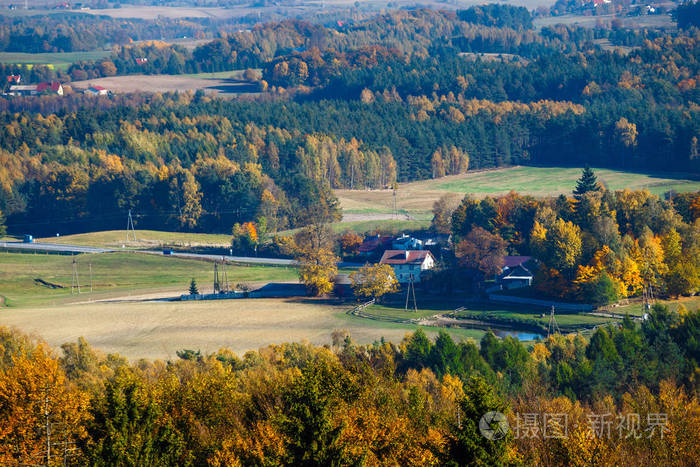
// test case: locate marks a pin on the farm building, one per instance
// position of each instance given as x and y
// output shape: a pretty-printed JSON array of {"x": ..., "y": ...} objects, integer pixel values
[
  {"x": 408, "y": 264},
  {"x": 406, "y": 242},
  {"x": 375, "y": 245},
  {"x": 23, "y": 90},
  {"x": 50, "y": 88},
  {"x": 14, "y": 79},
  {"x": 96, "y": 91},
  {"x": 515, "y": 273}
]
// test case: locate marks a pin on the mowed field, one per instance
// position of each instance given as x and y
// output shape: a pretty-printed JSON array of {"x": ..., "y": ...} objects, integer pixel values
[
  {"x": 56, "y": 60},
  {"x": 417, "y": 198},
  {"x": 222, "y": 83},
  {"x": 115, "y": 276},
  {"x": 159, "y": 329},
  {"x": 144, "y": 239},
  {"x": 124, "y": 313}
]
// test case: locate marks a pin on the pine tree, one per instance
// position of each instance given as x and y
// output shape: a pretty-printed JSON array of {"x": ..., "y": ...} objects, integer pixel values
[
  {"x": 193, "y": 287},
  {"x": 587, "y": 182}
]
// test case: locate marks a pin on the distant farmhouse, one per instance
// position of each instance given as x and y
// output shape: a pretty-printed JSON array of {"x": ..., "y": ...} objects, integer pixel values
[
  {"x": 96, "y": 91},
  {"x": 34, "y": 89},
  {"x": 408, "y": 264},
  {"x": 516, "y": 272},
  {"x": 375, "y": 245}
]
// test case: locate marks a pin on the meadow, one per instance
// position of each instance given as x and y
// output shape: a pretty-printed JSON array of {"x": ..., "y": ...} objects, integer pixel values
[
  {"x": 221, "y": 83},
  {"x": 126, "y": 312},
  {"x": 432, "y": 307},
  {"x": 144, "y": 239},
  {"x": 115, "y": 276},
  {"x": 60, "y": 60},
  {"x": 416, "y": 198}
]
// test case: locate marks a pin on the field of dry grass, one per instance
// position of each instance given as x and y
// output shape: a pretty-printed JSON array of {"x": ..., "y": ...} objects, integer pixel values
[
  {"x": 144, "y": 239},
  {"x": 159, "y": 329},
  {"x": 218, "y": 84}
]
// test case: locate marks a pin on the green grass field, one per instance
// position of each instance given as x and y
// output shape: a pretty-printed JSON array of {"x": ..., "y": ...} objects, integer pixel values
[
  {"x": 58, "y": 60},
  {"x": 144, "y": 239},
  {"x": 115, "y": 275},
  {"x": 417, "y": 198},
  {"x": 436, "y": 306},
  {"x": 555, "y": 180}
]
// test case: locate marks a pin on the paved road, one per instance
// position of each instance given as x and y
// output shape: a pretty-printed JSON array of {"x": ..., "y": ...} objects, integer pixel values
[
  {"x": 36, "y": 246},
  {"x": 53, "y": 247}
]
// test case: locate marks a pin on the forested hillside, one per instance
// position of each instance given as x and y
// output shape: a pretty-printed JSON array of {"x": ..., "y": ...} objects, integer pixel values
[{"x": 399, "y": 96}]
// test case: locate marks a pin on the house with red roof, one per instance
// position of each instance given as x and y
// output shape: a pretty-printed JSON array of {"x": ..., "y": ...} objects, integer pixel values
[
  {"x": 408, "y": 265},
  {"x": 375, "y": 245},
  {"x": 51, "y": 88},
  {"x": 96, "y": 91},
  {"x": 14, "y": 79}
]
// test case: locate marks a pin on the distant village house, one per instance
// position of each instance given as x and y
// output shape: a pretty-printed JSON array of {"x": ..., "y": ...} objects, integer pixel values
[
  {"x": 96, "y": 91},
  {"x": 34, "y": 89},
  {"x": 516, "y": 272},
  {"x": 408, "y": 265}
]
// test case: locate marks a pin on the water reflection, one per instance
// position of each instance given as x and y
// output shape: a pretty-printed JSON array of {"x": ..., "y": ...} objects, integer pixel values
[{"x": 520, "y": 335}]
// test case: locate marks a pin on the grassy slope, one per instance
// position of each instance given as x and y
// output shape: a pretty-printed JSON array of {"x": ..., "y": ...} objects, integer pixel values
[
  {"x": 430, "y": 309},
  {"x": 417, "y": 198},
  {"x": 158, "y": 329},
  {"x": 114, "y": 274},
  {"x": 58, "y": 60},
  {"x": 144, "y": 239}
]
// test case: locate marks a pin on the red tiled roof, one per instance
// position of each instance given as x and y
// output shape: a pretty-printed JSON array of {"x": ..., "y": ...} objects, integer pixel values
[
  {"x": 98, "y": 88},
  {"x": 41, "y": 87},
  {"x": 404, "y": 256},
  {"x": 13, "y": 79},
  {"x": 371, "y": 244}
]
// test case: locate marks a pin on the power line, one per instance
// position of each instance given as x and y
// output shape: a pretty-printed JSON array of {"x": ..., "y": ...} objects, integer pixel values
[
  {"x": 552, "y": 327},
  {"x": 76, "y": 281},
  {"x": 130, "y": 226}
]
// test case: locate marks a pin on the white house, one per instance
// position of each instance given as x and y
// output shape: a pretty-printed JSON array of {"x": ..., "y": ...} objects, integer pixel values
[
  {"x": 406, "y": 242},
  {"x": 408, "y": 264},
  {"x": 96, "y": 91}
]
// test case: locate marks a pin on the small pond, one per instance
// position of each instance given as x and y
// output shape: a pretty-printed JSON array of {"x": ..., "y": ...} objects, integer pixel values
[{"x": 520, "y": 335}]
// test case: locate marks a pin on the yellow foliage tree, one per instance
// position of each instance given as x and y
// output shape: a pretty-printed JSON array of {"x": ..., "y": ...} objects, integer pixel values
[
  {"x": 374, "y": 281},
  {"x": 41, "y": 414},
  {"x": 317, "y": 270}
]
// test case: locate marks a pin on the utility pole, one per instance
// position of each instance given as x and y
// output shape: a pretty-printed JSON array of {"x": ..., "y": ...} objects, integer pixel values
[
  {"x": 225, "y": 274},
  {"x": 130, "y": 227},
  {"x": 552, "y": 327},
  {"x": 217, "y": 284},
  {"x": 90, "y": 265},
  {"x": 411, "y": 290},
  {"x": 395, "y": 211},
  {"x": 76, "y": 280}
]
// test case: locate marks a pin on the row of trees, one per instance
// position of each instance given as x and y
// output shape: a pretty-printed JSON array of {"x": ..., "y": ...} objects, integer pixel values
[{"x": 416, "y": 402}]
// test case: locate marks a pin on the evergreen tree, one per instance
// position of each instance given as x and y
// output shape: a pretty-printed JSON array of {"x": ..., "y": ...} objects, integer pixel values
[
  {"x": 193, "y": 287},
  {"x": 3, "y": 228},
  {"x": 587, "y": 182}
]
